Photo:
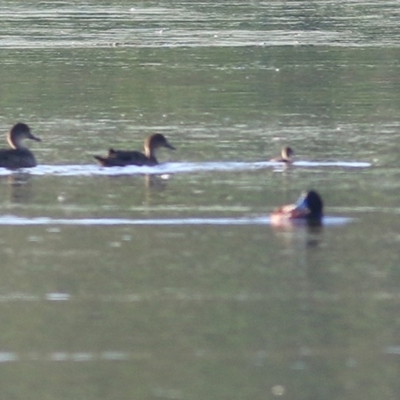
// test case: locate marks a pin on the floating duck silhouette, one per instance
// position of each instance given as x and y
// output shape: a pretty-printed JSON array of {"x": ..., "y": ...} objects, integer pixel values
[
  {"x": 121, "y": 158},
  {"x": 18, "y": 156}
]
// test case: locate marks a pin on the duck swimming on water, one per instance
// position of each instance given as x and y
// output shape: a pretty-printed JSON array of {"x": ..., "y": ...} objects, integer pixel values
[
  {"x": 18, "y": 156},
  {"x": 286, "y": 154},
  {"x": 308, "y": 207},
  {"x": 121, "y": 158}
]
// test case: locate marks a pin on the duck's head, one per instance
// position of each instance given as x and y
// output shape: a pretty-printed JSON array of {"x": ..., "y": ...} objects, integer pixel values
[
  {"x": 18, "y": 133},
  {"x": 287, "y": 152},
  {"x": 155, "y": 141},
  {"x": 310, "y": 203}
]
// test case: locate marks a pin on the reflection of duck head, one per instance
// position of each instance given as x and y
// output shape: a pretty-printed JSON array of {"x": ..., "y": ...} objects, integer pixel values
[
  {"x": 122, "y": 158},
  {"x": 286, "y": 154},
  {"x": 308, "y": 207},
  {"x": 20, "y": 188},
  {"x": 155, "y": 182},
  {"x": 18, "y": 156}
]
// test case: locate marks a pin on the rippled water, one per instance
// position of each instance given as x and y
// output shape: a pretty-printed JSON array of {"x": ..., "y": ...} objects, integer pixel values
[
  {"x": 169, "y": 281},
  {"x": 161, "y": 24}
]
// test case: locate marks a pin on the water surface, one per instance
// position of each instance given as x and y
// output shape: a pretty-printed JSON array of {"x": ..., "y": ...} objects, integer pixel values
[{"x": 169, "y": 282}]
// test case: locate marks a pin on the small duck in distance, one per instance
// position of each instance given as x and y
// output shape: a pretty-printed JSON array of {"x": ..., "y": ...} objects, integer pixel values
[
  {"x": 18, "y": 156},
  {"x": 122, "y": 158},
  {"x": 286, "y": 154},
  {"x": 308, "y": 207}
]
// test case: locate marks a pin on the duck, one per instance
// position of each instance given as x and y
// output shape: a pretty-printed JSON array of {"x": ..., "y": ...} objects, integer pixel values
[
  {"x": 122, "y": 158},
  {"x": 286, "y": 154},
  {"x": 18, "y": 156},
  {"x": 308, "y": 207}
]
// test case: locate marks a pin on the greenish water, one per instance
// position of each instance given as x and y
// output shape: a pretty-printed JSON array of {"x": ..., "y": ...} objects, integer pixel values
[{"x": 169, "y": 282}]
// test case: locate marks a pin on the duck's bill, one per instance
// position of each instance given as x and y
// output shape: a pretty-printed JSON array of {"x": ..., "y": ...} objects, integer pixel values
[
  {"x": 169, "y": 146},
  {"x": 33, "y": 137}
]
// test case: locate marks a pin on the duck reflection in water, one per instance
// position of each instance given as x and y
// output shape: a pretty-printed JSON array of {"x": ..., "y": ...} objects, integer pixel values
[
  {"x": 300, "y": 224},
  {"x": 20, "y": 188},
  {"x": 307, "y": 210},
  {"x": 122, "y": 158},
  {"x": 156, "y": 182},
  {"x": 18, "y": 156}
]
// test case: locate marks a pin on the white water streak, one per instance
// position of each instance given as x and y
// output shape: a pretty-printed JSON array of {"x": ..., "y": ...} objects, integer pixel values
[
  {"x": 12, "y": 220},
  {"x": 175, "y": 168}
]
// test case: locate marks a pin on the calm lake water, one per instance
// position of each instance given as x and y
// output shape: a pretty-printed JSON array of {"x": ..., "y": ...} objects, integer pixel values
[{"x": 169, "y": 282}]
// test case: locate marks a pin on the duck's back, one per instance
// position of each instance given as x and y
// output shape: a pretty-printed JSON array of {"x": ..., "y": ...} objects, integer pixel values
[
  {"x": 17, "y": 158},
  {"x": 121, "y": 158}
]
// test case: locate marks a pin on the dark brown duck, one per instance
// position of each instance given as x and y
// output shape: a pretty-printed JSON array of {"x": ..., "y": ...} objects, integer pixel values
[
  {"x": 18, "y": 156},
  {"x": 122, "y": 158}
]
